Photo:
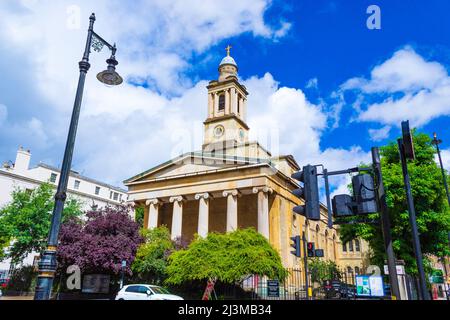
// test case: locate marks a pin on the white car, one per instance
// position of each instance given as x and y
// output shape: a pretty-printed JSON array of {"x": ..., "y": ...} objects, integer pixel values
[{"x": 145, "y": 292}]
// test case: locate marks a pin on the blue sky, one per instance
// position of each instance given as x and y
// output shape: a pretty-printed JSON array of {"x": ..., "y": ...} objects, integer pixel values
[{"x": 329, "y": 87}]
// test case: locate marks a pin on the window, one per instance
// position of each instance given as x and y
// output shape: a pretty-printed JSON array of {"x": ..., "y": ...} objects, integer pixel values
[
  {"x": 349, "y": 270},
  {"x": 143, "y": 290},
  {"x": 116, "y": 196},
  {"x": 133, "y": 289},
  {"x": 222, "y": 102},
  {"x": 357, "y": 270},
  {"x": 76, "y": 185},
  {"x": 357, "y": 245},
  {"x": 350, "y": 246},
  {"x": 344, "y": 247},
  {"x": 110, "y": 194},
  {"x": 97, "y": 190},
  {"x": 53, "y": 177}
]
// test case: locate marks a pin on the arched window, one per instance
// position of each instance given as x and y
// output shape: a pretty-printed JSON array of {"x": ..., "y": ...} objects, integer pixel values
[
  {"x": 357, "y": 270},
  {"x": 357, "y": 245},
  {"x": 349, "y": 270},
  {"x": 350, "y": 246},
  {"x": 222, "y": 102}
]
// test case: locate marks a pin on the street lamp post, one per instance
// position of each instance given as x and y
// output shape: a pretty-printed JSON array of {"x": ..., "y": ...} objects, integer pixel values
[
  {"x": 48, "y": 264},
  {"x": 436, "y": 142}
]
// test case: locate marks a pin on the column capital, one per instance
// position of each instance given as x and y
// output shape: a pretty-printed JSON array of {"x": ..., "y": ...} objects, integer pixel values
[
  {"x": 234, "y": 193},
  {"x": 177, "y": 199},
  {"x": 205, "y": 196},
  {"x": 155, "y": 202},
  {"x": 262, "y": 189}
]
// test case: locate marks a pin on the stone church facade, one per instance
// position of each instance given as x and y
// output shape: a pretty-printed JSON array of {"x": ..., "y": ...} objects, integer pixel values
[{"x": 233, "y": 183}]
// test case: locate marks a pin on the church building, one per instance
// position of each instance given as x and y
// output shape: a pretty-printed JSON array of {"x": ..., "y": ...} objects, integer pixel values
[{"x": 233, "y": 183}]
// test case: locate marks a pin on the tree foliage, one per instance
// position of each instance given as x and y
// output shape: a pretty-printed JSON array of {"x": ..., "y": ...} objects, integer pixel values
[
  {"x": 323, "y": 270},
  {"x": 433, "y": 213},
  {"x": 101, "y": 243},
  {"x": 152, "y": 256},
  {"x": 227, "y": 258},
  {"x": 26, "y": 220}
]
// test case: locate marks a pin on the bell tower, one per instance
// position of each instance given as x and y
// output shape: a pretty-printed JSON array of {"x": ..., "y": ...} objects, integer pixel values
[{"x": 226, "y": 125}]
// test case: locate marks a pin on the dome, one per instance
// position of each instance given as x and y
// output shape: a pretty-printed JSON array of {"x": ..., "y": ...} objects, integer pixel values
[{"x": 228, "y": 60}]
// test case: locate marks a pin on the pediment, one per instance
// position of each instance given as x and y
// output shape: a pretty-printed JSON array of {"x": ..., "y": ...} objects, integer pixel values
[{"x": 188, "y": 165}]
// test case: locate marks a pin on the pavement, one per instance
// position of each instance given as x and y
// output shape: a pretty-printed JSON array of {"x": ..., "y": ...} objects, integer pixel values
[{"x": 21, "y": 298}]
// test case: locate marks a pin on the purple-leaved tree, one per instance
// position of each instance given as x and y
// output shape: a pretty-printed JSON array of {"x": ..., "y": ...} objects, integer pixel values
[{"x": 100, "y": 244}]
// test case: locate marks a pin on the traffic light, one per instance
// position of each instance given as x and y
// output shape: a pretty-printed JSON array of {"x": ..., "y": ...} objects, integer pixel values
[
  {"x": 296, "y": 245},
  {"x": 364, "y": 193},
  {"x": 364, "y": 200},
  {"x": 408, "y": 143},
  {"x": 343, "y": 206},
  {"x": 309, "y": 192},
  {"x": 311, "y": 247},
  {"x": 319, "y": 253}
]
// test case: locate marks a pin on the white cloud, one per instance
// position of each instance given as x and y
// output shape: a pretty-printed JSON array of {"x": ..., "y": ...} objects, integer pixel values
[
  {"x": 416, "y": 89},
  {"x": 380, "y": 134},
  {"x": 122, "y": 130}
]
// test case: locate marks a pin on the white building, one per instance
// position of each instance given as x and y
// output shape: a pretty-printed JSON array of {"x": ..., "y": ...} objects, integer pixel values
[{"x": 89, "y": 192}]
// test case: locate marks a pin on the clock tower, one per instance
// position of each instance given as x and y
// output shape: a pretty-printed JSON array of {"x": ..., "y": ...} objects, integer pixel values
[{"x": 226, "y": 127}]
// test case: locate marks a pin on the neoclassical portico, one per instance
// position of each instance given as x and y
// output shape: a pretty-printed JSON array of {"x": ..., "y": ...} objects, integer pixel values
[{"x": 233, "y": 196}]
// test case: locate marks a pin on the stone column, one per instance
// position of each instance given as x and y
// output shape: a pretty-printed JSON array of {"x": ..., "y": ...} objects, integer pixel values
[
  {"x": 234, "y": 97},
  {"x": 232, "y": 209},
  {"x": 203, "y": 214},
  {"x": 216, "y": 104},
  {"x": 263, "y": 210},
  {"x": 211, "y": 105},
  {"x": 227, "y": 102},
  {"x": 153, "y": 213},
  {"x": 177, "y": 217}
]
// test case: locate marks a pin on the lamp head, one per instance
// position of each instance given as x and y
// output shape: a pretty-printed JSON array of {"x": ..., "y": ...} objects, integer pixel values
[{"x": 110, "y": 77}]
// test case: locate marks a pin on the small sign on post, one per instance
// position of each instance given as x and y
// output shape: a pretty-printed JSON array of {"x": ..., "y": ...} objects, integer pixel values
[{"x": 273, "y": 288}]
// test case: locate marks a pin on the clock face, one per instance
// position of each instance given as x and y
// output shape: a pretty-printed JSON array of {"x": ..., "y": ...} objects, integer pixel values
[{"x": 219, "y": 131}]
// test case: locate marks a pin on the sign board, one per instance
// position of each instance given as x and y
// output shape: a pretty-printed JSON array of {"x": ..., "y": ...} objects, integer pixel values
[
  {"x": 96, "y": 283},
  {"x": 400, "y": 270},
  {"x": 369, "y": 286},
  {"x": 273, "y": 288},
  {"x": 320, "y": 253}
]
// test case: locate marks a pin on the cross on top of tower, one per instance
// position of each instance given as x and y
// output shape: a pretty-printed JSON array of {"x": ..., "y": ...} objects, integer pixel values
[{"x": 228, "y": 50}]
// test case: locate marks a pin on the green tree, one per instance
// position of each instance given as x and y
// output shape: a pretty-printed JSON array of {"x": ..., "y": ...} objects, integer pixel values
[
  {"x": 227, "y": 258},
  {"x": 140, "y": 216},
  {"x": 26, "y": 220},
  {"x": 152, "y": 256},
  {"x": 433, "y": 213},
  {"x": 323, "y": 270}
]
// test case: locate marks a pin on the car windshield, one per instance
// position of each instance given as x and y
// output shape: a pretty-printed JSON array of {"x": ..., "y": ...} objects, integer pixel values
[{"x": 159, "y": 290}]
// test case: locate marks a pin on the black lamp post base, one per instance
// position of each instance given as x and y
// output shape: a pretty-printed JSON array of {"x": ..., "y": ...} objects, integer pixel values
[{"x": 47, "y": 270}]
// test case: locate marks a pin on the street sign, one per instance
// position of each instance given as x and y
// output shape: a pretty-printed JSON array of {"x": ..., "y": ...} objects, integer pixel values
[
  {"x": 369, "y": 286},
  {"x": 400, "y": 270},
  {"x": 320, "y": 253},
  {"x": 273, "y": 288}
]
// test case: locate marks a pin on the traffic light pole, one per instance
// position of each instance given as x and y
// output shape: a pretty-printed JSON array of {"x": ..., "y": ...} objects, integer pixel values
[
  {"x": 305, "y": 257},
  {"x": 385, "y": 224},
  {"x": 413, "y": 222}
]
